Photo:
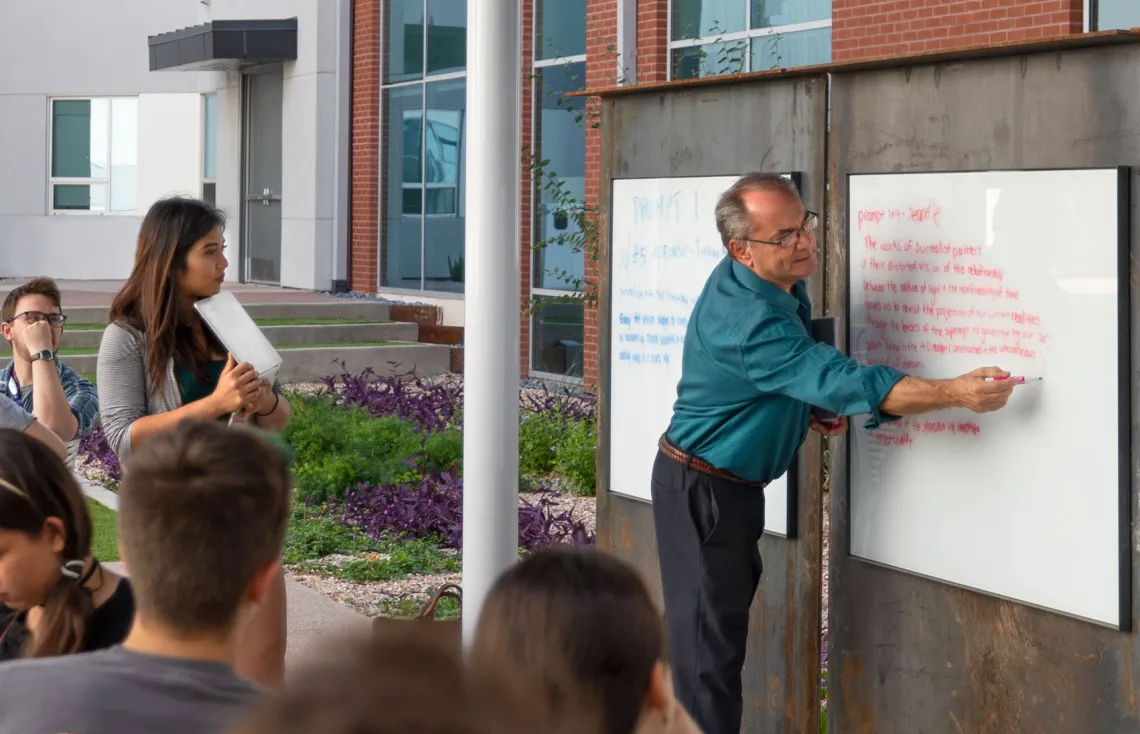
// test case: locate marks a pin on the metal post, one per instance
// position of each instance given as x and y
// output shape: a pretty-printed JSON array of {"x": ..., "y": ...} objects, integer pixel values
[
  {"x": 491, "y": 341},
  {"x": 342, "y": 155}
]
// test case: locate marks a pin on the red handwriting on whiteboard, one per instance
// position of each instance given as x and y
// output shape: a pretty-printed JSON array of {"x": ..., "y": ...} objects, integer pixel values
[
  {"x": 940, "y": 298},
  {"x": 870, "y": 217},
  {"x": 929, "y": 213},
  {"x": 934, "y": 426},
  {"x": 891, "y": 439}
]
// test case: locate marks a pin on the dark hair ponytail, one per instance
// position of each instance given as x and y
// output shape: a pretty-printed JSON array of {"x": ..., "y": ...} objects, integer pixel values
[{"x": 36, "y": 485}]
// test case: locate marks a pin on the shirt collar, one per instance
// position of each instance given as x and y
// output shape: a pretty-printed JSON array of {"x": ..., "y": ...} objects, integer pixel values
[
  {"x": 7, "y": 381},
  {"x": 771, "y": 292}
]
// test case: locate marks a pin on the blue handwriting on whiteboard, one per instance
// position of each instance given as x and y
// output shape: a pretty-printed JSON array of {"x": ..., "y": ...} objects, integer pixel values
[
  {"x": 654, "y": 294},
  {"x": 638, "y": 255},
  {"x": 644, "y": 357},
  {"x": 663, "y": 206}
]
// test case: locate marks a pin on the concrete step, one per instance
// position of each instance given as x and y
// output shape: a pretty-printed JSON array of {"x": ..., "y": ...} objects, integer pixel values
[
  {"x": 343, "y": 308},
  {"x": 312, "y": 364},
  {"x": 290, "y": 334}
]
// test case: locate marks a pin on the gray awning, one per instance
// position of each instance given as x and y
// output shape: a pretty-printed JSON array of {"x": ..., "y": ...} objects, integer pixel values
[{"x": 224, "y": 44}]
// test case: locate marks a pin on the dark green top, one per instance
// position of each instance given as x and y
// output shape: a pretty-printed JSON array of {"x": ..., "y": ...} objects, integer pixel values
[
  {"x": 193, "y": 389},
  {"x": 750, "y": 373}
]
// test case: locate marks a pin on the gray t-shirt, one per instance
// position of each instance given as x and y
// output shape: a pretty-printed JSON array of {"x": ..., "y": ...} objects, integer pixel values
[
  {"x": 118, "y": 691},
  {"x": 13, "y": 415}
]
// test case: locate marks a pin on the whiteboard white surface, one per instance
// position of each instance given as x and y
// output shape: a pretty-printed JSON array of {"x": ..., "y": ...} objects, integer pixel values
[
  {"x": 238, "y": 332},
  {"x": 954, "y": 271},
  {"x": 665, "y": 245}
]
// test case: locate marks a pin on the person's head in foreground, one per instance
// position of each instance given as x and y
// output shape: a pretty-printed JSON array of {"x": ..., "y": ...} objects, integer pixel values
[
  {"x": 580, "y": 624},
  {"x": 400, "y": 681},
  {"x": 764, "y": 226},
  {"x": 202, "y": 515},
  {"x": 46, "y": 568}
]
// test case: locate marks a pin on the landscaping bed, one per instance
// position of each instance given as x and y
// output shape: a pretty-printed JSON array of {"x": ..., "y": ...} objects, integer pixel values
[{"x": 377, "y": 517}]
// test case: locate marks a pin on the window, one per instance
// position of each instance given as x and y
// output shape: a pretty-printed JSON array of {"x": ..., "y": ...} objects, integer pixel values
[
  {"x": 210, "y": 148},
  {"x": 94, "y": 155},
  {"x": 559, "y": 139},
  {"x": 1107, "y": 15},
  {"x": 431, "y": 171},
  {"x": 715, "y": 37},
  {"x": 424, "y": 98},
  {"x": 556, "y": 339}
]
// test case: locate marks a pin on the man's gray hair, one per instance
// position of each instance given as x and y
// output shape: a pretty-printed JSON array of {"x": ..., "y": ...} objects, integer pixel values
[{"x": 732, "y": 220}]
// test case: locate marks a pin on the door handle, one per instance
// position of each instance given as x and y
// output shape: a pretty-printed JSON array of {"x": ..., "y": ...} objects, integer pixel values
[{"x": 267, "y": 197}]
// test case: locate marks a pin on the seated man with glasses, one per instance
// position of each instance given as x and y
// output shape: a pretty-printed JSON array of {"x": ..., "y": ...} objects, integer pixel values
[
  {"x": 58, "y": 396},
  {"x": 750, "y": 376}
]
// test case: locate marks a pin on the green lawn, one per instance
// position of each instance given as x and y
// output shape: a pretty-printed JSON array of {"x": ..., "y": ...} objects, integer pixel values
[
  {"x": 262, "y": 322},
  {"x": 105, "y": 543},
  {"x": 87, "y": 351}
]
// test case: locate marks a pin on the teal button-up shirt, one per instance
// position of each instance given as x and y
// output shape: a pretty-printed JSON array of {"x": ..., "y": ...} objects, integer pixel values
[{"x": 751, "y": 372}]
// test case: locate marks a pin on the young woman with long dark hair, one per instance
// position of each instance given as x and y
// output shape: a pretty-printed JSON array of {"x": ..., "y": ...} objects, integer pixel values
[
  {"x": 159, "y": 364},
  {"x": 55, "y": 598}
]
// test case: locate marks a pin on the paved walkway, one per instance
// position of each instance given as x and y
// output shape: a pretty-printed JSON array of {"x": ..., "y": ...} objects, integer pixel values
[
  {"x": 313, "y": 617},
  {"x": 81, "y": 293}
]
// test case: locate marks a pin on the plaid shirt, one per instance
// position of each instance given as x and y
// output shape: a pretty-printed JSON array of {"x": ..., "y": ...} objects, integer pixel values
[{"x": 81, "y": 395}]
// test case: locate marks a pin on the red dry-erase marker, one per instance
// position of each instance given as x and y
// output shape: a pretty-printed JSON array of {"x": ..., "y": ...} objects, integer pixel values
[{"x": 1019, "y": 379}]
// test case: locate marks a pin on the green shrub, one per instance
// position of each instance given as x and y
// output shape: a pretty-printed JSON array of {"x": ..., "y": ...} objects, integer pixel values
[
  {"x": 336, "y": 448},
  {"x": 575, "y": 457},
  {"x": 539, "y": 436},
  {"x": 400, "y": 558},
  {"x": 312, "y": 536},
  {"x": 444, "y": 451}
]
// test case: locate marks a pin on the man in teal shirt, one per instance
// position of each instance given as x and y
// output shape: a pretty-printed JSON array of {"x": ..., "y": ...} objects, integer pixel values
[{"x": 750, "y": 376}]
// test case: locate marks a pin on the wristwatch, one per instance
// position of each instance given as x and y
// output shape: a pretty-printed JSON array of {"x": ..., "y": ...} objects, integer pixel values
[{"x": 46, "y": 355}]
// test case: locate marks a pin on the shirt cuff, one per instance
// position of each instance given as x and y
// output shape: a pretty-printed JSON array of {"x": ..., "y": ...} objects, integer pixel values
[{"x": 878, "y": 380}]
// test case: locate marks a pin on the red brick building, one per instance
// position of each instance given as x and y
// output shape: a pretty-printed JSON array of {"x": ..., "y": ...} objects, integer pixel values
[{"x": 409, "y": 87}]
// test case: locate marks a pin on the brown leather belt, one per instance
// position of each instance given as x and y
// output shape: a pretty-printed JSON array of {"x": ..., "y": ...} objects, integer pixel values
[{"x": 701, "y": 465}]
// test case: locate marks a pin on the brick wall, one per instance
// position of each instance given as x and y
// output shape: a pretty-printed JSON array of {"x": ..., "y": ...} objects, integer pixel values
[
  {"x": 365, "y": 182},
  {"x": 863, "y": 29},
  {"x": 652, "y": 41},
  {"x": 601, "y": 71},
  {"x": 526, "y": 186}
]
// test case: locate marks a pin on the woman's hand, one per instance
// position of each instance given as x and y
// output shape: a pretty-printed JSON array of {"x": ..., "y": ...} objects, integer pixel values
[
  {"x": 266, "y": 399},
  {"x": 238, "y": 386},
  {"x": 265, "y": 402}
]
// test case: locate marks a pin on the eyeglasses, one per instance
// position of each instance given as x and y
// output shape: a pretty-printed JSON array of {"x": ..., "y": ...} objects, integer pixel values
[
  {"x": 811, "y": 221},
  {"x": 56, "y": 320}
]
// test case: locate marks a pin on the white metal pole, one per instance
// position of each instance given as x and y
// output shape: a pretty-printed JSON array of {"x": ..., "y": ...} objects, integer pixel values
[{"x": 491, "y": 339}]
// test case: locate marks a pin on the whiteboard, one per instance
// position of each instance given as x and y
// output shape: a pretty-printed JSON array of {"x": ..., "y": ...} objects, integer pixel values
[
  {"x": 664, "y": 245},
  {"x": 1024, "y": 270}
]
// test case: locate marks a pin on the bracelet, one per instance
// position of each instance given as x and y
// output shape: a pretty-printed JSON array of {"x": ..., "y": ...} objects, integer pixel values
[{"x": 276, "y": 402}]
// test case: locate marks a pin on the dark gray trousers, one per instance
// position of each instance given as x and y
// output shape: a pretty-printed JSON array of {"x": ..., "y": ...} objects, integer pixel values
[{"x": 708, "y": 530}]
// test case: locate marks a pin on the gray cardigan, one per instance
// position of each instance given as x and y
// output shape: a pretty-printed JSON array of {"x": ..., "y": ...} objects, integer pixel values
[{"x": 121, "y": 377}]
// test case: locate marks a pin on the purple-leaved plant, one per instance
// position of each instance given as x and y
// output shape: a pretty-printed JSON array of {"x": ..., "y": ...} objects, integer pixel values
[
  {"x": 433, "y": 406},
  {"x": 95, "y": 453},
  {"x": 557, "y": 402},
  {"x": 427, "y": 406},
  {"x": 433, "y": 508}
]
